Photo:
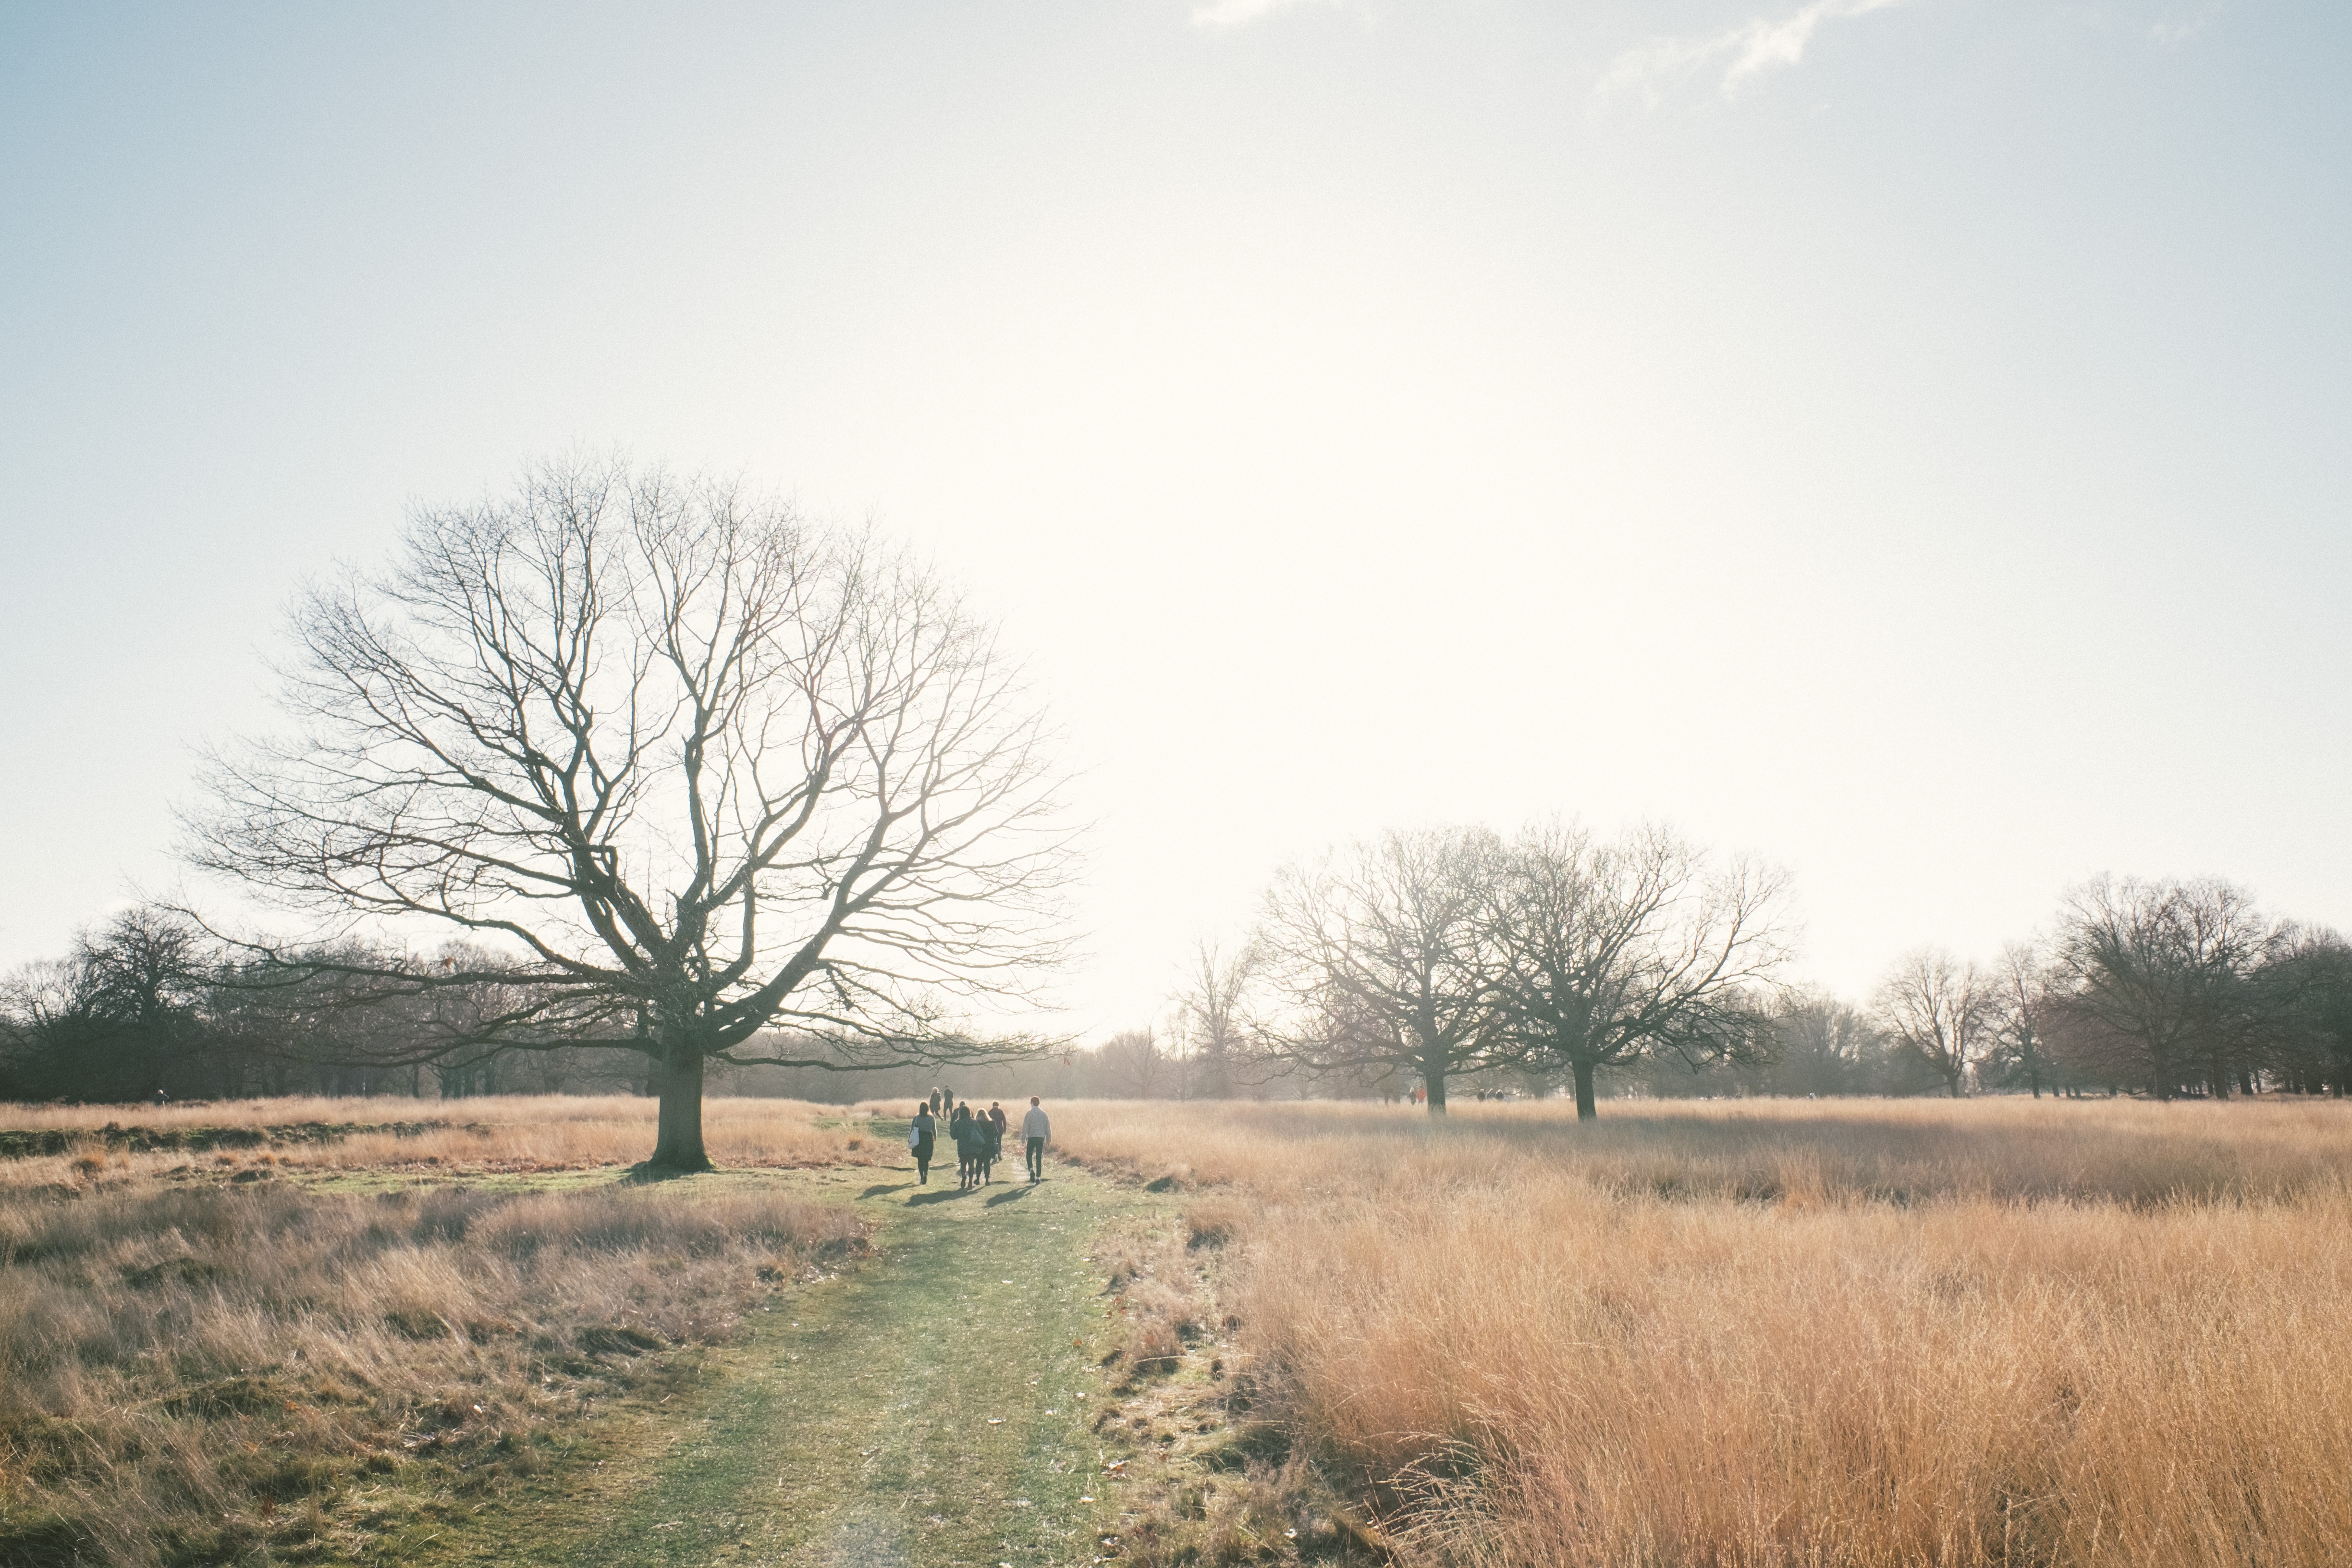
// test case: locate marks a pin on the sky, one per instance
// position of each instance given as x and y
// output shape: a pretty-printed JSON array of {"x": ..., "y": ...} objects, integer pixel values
[{"x": 1903, "y": 440}]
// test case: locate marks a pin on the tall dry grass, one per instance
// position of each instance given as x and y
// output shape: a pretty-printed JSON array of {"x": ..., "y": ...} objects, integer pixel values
[
  {"x": 491, "y": 1135},
  {"x": 196, "y": 1368},
  {"x": 1984, "y": 1333}
]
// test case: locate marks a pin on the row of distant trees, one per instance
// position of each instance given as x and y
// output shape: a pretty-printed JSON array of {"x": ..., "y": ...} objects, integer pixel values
[
  {"x": 149, "y": 1002},
  {"x": 1555, "y": 960},
  {"x": 1558, "y": 957}
]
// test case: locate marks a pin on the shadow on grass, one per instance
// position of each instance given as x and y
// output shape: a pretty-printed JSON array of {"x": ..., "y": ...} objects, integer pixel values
[
  {"x": 880, "y": 1188},
  {"x": 1008, "y": 1195},
  {"x": 646, "y": 1170},
  {"x": 942, "y": 1196}
]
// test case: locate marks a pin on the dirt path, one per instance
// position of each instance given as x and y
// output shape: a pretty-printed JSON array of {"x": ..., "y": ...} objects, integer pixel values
[{"x": 930, "y": 1407}]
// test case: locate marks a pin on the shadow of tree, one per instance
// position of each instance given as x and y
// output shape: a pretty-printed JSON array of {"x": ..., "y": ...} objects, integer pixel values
[{"x": 644, "y": 1171}]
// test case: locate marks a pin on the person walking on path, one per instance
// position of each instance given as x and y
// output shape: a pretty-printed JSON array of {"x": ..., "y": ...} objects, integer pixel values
[
  {"x": 922, "y": 1135},
  {"x": 995, "y": 1120},
  {"x": 1036, "y": 1129},
  {"x": 959, "y": 1128},
  {"x": 976, "y": 1131}
]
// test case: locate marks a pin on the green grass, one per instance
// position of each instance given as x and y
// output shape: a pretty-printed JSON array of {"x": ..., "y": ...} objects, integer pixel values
[{"x": 917, "y": 1410}]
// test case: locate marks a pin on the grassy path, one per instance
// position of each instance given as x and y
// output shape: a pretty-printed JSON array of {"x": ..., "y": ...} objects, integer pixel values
[{"x": 931, "y": 1407}]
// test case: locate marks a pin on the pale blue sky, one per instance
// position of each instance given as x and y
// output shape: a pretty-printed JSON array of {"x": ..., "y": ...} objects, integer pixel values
[{"x": 1907, "y": 441}]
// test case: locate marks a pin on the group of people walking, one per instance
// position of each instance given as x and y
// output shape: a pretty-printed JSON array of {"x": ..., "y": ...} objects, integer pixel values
[{"x": 978, "y": 1136}]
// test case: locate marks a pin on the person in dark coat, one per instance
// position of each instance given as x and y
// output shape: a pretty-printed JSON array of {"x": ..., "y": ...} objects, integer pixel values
[
  {"x": 994, "y": 1119},
  {"x": 961, "y": 1129},
  {"x": 922, "y": 1138}
]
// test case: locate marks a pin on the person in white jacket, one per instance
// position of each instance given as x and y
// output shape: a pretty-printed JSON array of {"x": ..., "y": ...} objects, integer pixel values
[{"x": 1035, "y": 1130}]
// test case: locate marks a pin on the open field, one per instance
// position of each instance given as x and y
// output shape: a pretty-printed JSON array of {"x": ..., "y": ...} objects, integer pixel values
[
  {"x": 499, "y": 1134},
  {"x": 1882, "y": 1332},
  {"x": 202, "y": 1346},
  {"x": 1782, "y": 1332}
]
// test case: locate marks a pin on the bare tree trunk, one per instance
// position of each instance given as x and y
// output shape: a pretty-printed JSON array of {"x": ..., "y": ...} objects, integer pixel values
[
  {"x": 2221, "y": 1076},
  {"x": 1435, "y": 1084},
  {"x": 1586, "y": 1110},
  {"x": 677, "y": 1142}
]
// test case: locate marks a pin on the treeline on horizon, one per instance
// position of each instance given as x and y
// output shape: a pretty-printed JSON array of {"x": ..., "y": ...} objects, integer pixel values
[
  {"x": 1554, "y": 962},
  {"x": 1558, "y": 957}
]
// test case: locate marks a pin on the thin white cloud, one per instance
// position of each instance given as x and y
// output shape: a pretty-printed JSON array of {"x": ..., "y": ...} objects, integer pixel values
[
  {"x": 1746, "y": 51},
  {"x": 2178, "y": 31},
  {"x": 1222, "y": 16}
]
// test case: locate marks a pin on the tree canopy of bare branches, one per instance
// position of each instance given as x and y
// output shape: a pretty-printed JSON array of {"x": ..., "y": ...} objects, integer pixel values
[
  {"x": 2020, "y": 988},
  {"x": 1605, "y": 952},
  {"x": 2155, "y": 982},
  {"x": 686, "y": 764},
  {"x": 2309, "y": 985},
  {"x": 112, "y": 1020},
  {"x": 1212, "y": 1006},
  {"x": 1381, "y": 959},
  {"x": 1943, "y": 1011}
]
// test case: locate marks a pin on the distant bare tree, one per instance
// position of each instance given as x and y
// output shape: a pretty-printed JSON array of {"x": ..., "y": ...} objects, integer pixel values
[
  {"x": 694, "y": 765},
  {"x": 1824, "y": 1046},
  {"x": 2020, "y": 990},
  {"x": 1213, "y": 1023},
  {"x": 116, "y": 1019},
  {"x": 1606, "y": 952},
  {"x": 1135, "y": 1065},
  {"x": 2309, "y": 983},
  {"x": 1381, "y": 954},
  {"x": 2154, "y": 981},
  {"x": 1942, "y": 1011}
]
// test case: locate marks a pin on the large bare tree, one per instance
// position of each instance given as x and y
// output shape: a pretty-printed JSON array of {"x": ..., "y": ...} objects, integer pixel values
[
  {"x": 1608, "y": 950},
  {"x": 693, "y": 765},
  {"x": 1945, "y": 1011},
  {"x": 2154, "y": 981},
  {"x": 1381, "y": 957}
]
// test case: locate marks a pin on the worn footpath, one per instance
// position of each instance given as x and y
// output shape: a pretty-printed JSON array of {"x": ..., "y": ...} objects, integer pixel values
[{"x": 930, "y": 1406}]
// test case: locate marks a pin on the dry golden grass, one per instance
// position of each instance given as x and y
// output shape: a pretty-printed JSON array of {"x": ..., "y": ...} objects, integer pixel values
[
  {"x": 1793, "y": 1333},
  {"x": 196, "y": 1367},
  {"x": 489, "y": 1135}
]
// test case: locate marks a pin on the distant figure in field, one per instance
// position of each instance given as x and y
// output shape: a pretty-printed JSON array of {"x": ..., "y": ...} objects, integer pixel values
[
  {"x": 922, "y": 1137},
  {"x": 162, "y": 1098},
  {"x": 1035, "y": 1130},
  {"x": 935, "y": 1102},
  {"x": 996, "y": 1125}
]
